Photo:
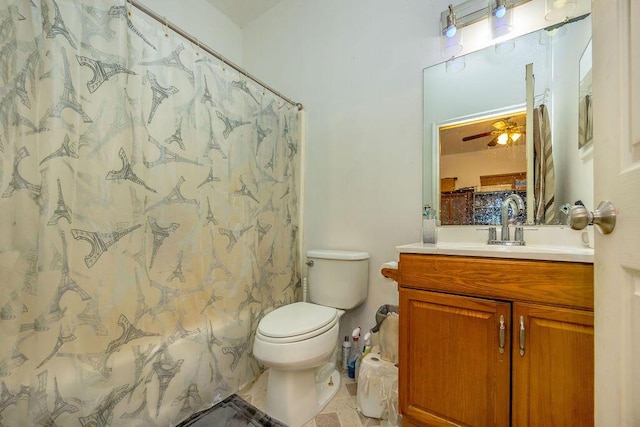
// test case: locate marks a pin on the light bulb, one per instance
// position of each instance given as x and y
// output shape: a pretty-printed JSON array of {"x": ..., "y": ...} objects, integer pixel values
[
  {"x": 499, "y": 11},
  {"x": 514, "y": 136},
  {"x": 502, "y": 139},
  {"x": 450, "y": 31}
]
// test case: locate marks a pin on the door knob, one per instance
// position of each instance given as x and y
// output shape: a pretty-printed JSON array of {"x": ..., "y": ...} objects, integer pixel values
[{"x": 604, "y": 217}]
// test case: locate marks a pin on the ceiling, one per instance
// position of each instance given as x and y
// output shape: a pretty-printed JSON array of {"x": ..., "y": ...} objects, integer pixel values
[
  {"x": 451, "y": 137},
  {"x": 242, "y": 12}
]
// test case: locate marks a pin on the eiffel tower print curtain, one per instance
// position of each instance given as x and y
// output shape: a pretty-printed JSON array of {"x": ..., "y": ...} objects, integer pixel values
[{"x": 148, "y": 217}]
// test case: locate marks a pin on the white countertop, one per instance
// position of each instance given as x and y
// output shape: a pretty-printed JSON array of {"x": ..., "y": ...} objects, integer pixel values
[{"x": 543, "y": 243}]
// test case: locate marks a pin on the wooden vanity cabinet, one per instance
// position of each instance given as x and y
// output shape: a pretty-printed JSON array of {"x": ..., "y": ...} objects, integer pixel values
[{"x": 460, "y": 360}]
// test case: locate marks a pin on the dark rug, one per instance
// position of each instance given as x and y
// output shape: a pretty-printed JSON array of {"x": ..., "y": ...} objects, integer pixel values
[{"x": 231, "y": 412}]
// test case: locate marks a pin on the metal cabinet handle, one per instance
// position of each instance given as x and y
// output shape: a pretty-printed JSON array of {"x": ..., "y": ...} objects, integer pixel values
[
  {"x": 604, "y": 217},
  {"x": 502, "y": 333},
  {"x": 521, "y": 336}
]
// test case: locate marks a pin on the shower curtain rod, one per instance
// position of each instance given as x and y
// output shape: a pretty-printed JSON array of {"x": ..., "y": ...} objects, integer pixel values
[{"x": 206, "y": 48}]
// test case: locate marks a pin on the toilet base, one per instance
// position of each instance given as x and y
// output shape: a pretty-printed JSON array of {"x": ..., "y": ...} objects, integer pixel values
[{"x": 294, "y": 397}]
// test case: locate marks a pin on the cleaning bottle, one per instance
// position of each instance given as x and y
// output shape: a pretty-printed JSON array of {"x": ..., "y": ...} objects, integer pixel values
[
  {"x": 355, "y": 353},
  {"x": 346, "y": 350},
  {"x": 366, "y": 349}
]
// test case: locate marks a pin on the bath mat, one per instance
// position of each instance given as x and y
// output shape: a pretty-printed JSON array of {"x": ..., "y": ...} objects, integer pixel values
[{"x": 234, "y": 411}]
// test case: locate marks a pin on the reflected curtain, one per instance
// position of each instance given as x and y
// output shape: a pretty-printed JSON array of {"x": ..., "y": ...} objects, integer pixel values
[
  {"x": 545, "y": 211},
  {"x": 148, "y": 214}
]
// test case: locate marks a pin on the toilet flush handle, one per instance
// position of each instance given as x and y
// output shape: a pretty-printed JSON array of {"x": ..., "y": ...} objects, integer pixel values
[{"x": 310, "y": 263}]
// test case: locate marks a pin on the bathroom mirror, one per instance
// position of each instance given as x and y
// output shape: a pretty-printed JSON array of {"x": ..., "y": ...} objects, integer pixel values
[{"x": 485, "y": 93}]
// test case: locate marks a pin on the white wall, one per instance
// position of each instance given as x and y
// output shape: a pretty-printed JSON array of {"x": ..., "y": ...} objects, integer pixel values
[
  {"x": 205, "y": 22},
  {"x": 357, "y": 68}
]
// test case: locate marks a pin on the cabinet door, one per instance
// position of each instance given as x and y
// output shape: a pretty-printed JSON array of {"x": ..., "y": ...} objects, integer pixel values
[
  {"x": 553, "y": 374},
  {"x": 456, "y": 208},
  {"x": 453, "y": 368}
]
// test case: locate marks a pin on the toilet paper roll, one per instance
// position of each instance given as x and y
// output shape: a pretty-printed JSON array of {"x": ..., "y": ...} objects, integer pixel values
[
  {"x": 390, "y": 270},
  {"x": 390, "y": 264},
  {"x": 376, "y": 381}
]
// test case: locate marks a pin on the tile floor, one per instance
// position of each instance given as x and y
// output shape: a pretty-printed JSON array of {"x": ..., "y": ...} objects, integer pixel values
[{"x": 340, "y": 411}]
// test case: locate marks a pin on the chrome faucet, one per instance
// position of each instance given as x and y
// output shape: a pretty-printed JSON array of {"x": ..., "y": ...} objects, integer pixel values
[{"x": 517, "y": 206}]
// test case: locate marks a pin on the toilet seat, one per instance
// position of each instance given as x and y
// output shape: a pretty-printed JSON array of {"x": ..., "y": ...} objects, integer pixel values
[{"x": 296, "y": 322}]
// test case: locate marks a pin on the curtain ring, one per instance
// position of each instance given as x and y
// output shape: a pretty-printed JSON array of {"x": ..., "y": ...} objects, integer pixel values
[
  {"x": 166, "y": 28},
  {"x": 198, "y": 51},
  {"x": 129, "y": 14}
]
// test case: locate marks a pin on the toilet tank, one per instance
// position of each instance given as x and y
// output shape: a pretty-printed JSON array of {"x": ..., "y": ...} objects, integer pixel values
[{"x": 338, "y": 279}]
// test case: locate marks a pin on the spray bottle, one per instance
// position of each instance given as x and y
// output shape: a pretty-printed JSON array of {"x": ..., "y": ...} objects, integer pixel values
[
  {"x": 366, "y": 349},
  {"x": 355, "y": 352},
  {"x": 346, "y": 350}
]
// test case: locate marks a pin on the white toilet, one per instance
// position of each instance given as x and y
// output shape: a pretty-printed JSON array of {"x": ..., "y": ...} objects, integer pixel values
[{"x": 298, "y": 342}]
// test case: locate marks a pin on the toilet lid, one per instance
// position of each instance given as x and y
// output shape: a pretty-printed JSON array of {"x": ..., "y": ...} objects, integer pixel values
[{"x": 296, "y": 320}]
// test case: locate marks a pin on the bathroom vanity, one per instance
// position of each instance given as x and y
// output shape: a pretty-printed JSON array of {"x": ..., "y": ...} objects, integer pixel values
[{"x": 493, "y": 340}]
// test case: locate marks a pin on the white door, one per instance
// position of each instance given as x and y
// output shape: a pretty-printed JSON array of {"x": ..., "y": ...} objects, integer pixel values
[{"x": 616, "y": 101}]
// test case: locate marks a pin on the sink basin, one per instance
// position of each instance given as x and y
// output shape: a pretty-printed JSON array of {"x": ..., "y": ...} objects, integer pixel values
[{"x": 471, "y": 241}]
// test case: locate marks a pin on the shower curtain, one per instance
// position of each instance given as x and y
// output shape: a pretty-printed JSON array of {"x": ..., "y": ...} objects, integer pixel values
[{"x": 148, "y": 217}]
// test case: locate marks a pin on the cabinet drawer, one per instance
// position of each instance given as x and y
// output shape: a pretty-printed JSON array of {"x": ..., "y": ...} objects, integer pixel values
[{"x": 547, "y": 282}]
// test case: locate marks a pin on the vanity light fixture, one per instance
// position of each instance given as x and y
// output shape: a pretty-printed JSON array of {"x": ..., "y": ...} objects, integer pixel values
[
  {"x": 455, "y": 18},
  {"x": 450, "y": 47},
  {"x": 451, "y": 28},
  {"x": 501, "y": 18},
  {"x": 451, "y": 40}
]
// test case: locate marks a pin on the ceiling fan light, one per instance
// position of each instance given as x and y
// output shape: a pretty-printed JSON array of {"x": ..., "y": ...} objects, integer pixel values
[
  {"x": 503, "y": 138},
  {"x": 514, "y": 136}
]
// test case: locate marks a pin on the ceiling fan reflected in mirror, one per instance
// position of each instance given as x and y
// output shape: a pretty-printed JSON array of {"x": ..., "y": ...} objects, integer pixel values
[{"x": 504, "y": 132}]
